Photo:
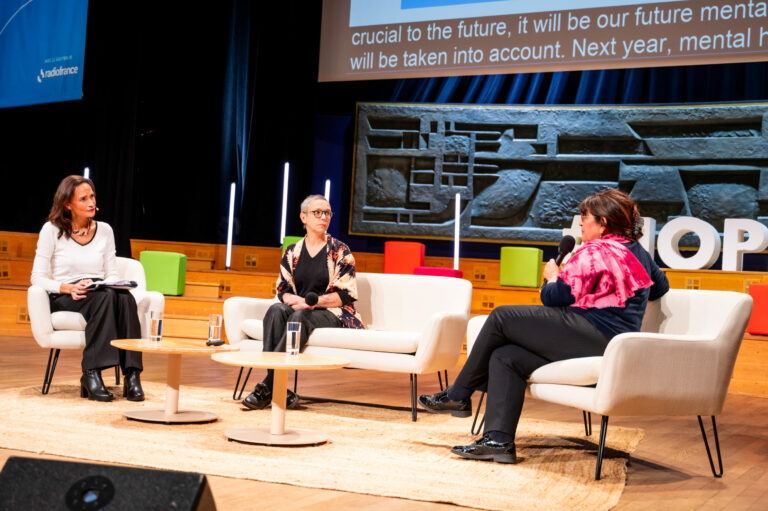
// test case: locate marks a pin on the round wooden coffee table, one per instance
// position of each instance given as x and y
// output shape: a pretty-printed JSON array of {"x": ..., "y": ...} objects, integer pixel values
[
  {"x": 277, "y": 434},
  {"x": 174, "y": 348}
]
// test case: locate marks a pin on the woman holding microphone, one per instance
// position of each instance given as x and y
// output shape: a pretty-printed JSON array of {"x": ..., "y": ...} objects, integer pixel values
[
  {"x": 319, "y": 265},
  {"x": 602, "y": 291}
]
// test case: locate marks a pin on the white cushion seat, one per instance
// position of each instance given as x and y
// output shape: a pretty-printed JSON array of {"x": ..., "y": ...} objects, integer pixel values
[
  {"x": 66, "y": 320},
  {"x": 253, "y": 328},
  {"x": 385, "y": 341},
  {"x": 575, "y": 371}
]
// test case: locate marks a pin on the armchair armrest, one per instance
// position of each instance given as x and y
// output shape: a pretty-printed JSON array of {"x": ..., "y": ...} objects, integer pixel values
[
  {"x": 663, "y": 374},
  {"x": 39, "y": 307},
  {"x": 239, "y": 308},
  {"x": 441, "y": 341}
]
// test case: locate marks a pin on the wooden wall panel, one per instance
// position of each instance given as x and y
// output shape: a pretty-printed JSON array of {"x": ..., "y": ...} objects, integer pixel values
[
  {"x": 18, "y": 244},
  {"x": 14, "y": 317}
]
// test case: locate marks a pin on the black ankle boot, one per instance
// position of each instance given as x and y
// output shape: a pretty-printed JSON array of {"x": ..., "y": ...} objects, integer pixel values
[
  {"x": 92, "y": 386},
  {"x": 132, "y": 385}
]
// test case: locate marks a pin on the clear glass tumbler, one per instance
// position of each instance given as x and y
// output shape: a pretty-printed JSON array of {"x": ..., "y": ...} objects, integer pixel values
[
  {"x": 293, "y": 338},
  {"x": 156, "y": 326},
  {"x": 214, "y": 328}
]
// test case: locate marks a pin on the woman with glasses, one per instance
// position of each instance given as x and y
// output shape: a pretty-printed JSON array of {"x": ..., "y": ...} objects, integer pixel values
[{"x": 318, "y": 264}]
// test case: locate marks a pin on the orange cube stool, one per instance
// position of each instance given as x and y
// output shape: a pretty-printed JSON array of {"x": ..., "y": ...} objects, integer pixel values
[
  {"x": 403, "y": 256},
  {"x": 758, "y": 321}
]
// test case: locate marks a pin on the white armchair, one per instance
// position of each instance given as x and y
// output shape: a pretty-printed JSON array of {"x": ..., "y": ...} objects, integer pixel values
[
  {"x": 66, "y": 330},
  {"x": 679, "y": 364}
]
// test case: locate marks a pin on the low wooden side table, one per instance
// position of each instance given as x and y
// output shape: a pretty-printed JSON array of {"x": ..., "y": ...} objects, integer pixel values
[
  {"x": 277, "y": 434},
  {"x": 174, "y": 348}
]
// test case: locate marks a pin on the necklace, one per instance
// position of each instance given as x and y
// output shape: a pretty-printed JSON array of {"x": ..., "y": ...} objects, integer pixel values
[{"x": 85, "y": 230}]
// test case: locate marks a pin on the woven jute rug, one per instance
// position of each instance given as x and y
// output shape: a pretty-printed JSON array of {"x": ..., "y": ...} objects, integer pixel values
[{"x": 373, "y": 451}]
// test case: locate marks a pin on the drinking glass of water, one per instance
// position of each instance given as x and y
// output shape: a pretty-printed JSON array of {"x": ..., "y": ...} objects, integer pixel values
[
  {"x": 293, "y": 338},
  {"x": 156, "y": 325},
  {"x": 214, "y": 328}
]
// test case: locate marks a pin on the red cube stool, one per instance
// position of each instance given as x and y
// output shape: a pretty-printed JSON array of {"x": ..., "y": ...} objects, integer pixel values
[
  {"x": 403, "y": 256},
  {"x": 438, "y": 272},
  {"x": 758, "y": 321}
]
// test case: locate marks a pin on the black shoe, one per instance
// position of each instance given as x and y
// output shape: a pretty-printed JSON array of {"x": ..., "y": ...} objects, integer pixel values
[
  {"x": 259, "y": 398},
  {"x": 486, "y": 449},
  {"x": 292, "y": 400},
  {"x": 132, "y": 385},
  {"x": 439, "y": 403},
  {"x": 92, "y": 386}
]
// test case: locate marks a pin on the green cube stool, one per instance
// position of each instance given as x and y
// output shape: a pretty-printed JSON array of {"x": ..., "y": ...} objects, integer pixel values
[
  {"x": 290, "y": 240},
  {"x": 520, "y": 266},
  {"x": 165, "y": 271}
]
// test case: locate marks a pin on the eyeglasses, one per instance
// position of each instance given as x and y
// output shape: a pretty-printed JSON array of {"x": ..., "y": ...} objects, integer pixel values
[{"x": 320, "y": 213}]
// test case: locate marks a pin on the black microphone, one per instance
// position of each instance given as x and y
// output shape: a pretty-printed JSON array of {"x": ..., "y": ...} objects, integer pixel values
[
  {"x": 311, "y": 298},
  {"x": 566, "y": 245}
]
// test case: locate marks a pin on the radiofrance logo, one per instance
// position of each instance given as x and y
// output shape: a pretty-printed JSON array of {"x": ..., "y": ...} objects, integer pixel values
[{"x": 56, "y": 72}]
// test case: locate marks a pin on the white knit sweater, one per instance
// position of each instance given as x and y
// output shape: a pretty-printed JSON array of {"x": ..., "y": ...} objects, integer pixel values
[{"x": 64, "y": 260}]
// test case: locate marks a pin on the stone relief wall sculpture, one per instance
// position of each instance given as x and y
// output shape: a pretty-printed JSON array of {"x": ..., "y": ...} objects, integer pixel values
[{"x": 521, "y": 171}]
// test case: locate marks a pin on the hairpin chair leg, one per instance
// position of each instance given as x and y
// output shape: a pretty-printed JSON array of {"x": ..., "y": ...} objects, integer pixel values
[
  {"x": 117, "y": 375},
  {"x": 717, "y": 447},
  {"x": 53, "y": 357},
  {"x": 587, "y": 422},
  {"x": 295, "y": 381},
  {"x": 414, "y": 384},
  {"x": 237, "y": 383},
  {"x": 477, "y": 414},
  {"x": 601, "y": 446},
  {"x": 440, "y": 378}
]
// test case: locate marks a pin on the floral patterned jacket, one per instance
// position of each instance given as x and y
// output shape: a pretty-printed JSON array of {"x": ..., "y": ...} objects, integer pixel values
[{"x": 341, "y": 276}]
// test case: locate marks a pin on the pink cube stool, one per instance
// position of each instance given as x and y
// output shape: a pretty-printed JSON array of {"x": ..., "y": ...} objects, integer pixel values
[{"x": 438, "y": 272}]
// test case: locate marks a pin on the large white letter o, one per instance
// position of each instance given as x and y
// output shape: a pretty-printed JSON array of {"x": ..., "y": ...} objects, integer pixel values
[{"x": 669, "y": 237}]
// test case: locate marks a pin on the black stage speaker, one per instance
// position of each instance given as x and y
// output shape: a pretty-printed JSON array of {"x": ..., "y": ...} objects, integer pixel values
[{"x": 31, "y": 484}]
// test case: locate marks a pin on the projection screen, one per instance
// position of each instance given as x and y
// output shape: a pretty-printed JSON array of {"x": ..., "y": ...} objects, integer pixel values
[{"x": 377, "y": 39}]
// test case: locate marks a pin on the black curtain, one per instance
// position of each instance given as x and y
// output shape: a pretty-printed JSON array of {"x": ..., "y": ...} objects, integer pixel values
[{"x": 42, "y": 144}]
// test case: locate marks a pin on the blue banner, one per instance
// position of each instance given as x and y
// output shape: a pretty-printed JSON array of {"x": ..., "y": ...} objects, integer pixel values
[{"x": 42, "y": 50}]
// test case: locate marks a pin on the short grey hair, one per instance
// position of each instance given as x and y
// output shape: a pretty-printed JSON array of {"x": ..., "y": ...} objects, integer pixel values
[{"x": 313, "y": 197}]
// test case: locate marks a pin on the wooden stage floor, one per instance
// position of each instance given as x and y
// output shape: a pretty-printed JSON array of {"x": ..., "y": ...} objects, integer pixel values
[{"x": 669, "y": 470}]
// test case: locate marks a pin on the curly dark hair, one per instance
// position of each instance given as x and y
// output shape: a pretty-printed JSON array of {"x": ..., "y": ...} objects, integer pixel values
[
  {"x": 616, "y": 211},
  {"x": 60, "y": 216}
]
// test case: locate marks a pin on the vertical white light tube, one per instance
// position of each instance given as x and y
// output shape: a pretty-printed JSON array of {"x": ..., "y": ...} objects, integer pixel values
[
  {"x": 285, "y": 202},
  {"x": 328, "y": 190},
  {"x": 230, "y": 225},
  {"x": 87, "y": 173},
  {"x": 456, "y": 229}
]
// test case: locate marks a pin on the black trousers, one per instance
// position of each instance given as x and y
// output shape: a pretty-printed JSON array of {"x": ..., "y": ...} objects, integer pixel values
[
  {"x": 110, "y": 314},
  {"x": 279, "y": 314},
  {"x": 515, "y": 341}
]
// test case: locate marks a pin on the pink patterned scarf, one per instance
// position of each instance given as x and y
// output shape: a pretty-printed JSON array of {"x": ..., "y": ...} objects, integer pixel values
[{"x": 604, "y": 273}]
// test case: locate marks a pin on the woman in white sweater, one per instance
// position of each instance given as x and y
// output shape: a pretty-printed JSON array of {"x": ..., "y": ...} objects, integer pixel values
[{"x": 72, "y": 251}]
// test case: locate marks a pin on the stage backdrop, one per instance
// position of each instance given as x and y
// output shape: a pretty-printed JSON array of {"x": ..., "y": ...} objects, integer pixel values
[
  {"x": 42, "y": 49},
  {"x": 522, "y": 171}
]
